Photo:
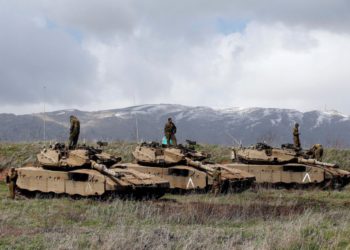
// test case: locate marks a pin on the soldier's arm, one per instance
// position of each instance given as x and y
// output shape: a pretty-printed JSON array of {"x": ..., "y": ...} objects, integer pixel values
[{"x": 296, "y": 132}]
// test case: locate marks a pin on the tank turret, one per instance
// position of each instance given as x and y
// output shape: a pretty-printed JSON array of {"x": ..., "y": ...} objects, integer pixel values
[{"x": 57, "y": 156}]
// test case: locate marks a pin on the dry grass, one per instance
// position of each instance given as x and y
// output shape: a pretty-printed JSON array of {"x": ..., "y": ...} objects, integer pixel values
[
  {"x": 261, "y": 219},
  {"x": 267, "y": 219}
]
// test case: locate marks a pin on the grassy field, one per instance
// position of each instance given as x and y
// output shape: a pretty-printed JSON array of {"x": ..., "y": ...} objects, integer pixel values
[
  {"x": 255, "y": 219},
  {"x": 264, "y": 219}
]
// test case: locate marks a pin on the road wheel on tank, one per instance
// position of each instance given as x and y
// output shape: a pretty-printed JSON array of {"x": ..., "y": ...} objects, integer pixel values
[
  {"x": 337, "y": 184},
  {"x": 111, "y": 196},
  {"x": 74, "y": 197},
  {"x": 235, "y": 187},
  {"x": 26, "y": 193},
  {"x": 243, "y": 185},
  {"x": 224, "y": 187},
  {"x": 158, "y": 195},
  {"x": 327, "y": 184},
  {"x": 41, "y": 195},
  {"x": 207, "y": 188},
  {"x": 297, "y": 186}
]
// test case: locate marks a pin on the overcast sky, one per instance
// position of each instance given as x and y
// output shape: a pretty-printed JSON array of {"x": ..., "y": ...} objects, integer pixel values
[{"x": 93, "y": 54}]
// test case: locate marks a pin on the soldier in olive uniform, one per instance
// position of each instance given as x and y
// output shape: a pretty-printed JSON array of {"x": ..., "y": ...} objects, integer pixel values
[
  {"x": 296, "y": 136},
  {"x": 216, "y": 181},
  {"x": 170, "y": 131},
  {"x": 74, "y": 132},
  {"x": 11, "y": 181},
  {"x": 317, "y": 152}
]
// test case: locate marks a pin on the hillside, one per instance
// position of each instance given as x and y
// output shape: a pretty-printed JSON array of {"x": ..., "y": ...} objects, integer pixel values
[{"x": 203, "y": 124}]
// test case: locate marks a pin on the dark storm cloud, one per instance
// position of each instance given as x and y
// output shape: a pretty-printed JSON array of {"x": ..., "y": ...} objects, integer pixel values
[{"x": 35, "y": 54}]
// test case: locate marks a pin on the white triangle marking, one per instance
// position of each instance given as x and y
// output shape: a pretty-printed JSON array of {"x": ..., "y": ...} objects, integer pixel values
[
  {"x": 307, "y": 176},
  {"x": 88, "y": 187},
  {"x": 190, "y": 182}
]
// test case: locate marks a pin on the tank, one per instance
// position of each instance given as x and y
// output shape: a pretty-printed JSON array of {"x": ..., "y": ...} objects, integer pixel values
[
  {"x": 88, "y": 172},
  {"x": 186, "y": 169},
  {"x": 288, "y": 167},
  {"x": 262, "y": 153}
]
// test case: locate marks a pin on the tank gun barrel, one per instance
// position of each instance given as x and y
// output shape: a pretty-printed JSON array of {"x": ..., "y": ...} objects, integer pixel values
[
  {"x": 104, "y": 170},
  {"x": 313, "y": 161},
  {"x": 199, "y": 165},
  {"x": 208, "y": 168}
]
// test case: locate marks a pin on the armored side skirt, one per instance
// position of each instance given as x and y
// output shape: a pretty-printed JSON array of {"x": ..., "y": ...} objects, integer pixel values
[{"x": 83, "y": 182}]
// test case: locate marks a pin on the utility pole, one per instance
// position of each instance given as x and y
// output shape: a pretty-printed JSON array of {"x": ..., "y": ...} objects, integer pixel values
[{"x": 137, "y": 129}]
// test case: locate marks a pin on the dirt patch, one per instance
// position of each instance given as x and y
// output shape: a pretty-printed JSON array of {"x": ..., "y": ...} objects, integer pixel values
[{"x": 200, "y": 212}]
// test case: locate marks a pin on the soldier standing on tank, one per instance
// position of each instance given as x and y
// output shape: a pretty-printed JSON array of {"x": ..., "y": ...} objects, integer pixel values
[
  {"x": 11, "y": 181},
  {"x": 170, "y": 131},
  {"x": 216, "y": 181},
  {"x": 317, "y": 152},
  {"x": 74, "y": 132},
  {"x": 296, "y": 136}
]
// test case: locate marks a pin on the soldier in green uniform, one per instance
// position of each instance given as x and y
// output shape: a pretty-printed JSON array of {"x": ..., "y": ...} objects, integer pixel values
[
  {"x": 74, "y": 132},
  {"x": 11, "y": 181},
  {"x": 296, "y": 136},
  {"x": 170, "y": 131},
  {"x": 216, "y": 181},
  {"x": 317, "y": 152}
]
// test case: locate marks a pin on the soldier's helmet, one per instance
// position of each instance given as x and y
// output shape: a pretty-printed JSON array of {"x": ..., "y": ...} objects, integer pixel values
[
  {"x": 169, "y": 119},
  {"x": 296, "y": 124}
]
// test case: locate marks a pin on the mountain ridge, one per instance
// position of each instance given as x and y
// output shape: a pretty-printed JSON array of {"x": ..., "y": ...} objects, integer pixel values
[{"x": 204, "y": 124}]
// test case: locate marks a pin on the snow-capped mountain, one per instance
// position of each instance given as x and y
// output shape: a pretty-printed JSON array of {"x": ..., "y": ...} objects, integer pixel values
[{"x": 203, "y": 124}]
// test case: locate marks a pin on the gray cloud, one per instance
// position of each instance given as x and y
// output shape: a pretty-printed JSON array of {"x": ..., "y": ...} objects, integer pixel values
[
  {"x": 103, "y": 18},
  {"x": 100, "y": 54},
  {"x": 33, "y": 55},
  {"x": 187, "y": 16},
  {"x": 191, "y": 18}
]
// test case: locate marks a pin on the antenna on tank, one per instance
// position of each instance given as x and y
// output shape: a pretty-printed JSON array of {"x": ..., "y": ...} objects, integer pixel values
[
  {"x": 44, "y": 88},
  {"x": 234, "y": 140}
]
